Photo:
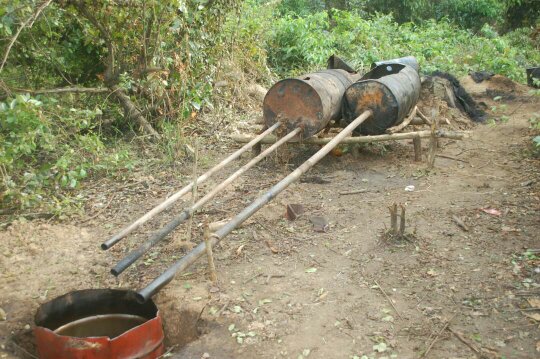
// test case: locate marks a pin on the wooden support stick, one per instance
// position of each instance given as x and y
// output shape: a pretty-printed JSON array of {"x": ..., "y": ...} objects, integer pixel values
[
  {"x": 256, "y": 150},
  {"x": 209, "y": 254},
  {"x": 405, "y": 122},
  {"x": 393, "y": 218},
  {"x": 455, "y": 135},
  {"x": 432, "y": 147},
  {"x": 402, "y": 221},
  {"x": 417, "y": 142}
]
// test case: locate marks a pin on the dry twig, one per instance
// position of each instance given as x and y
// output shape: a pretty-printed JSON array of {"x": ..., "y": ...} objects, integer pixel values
[
  {"x": 437, "y": 337},
  {"x": 27, "y": 23},
  {"x": 387, "y": 298},
  {"x": 211, "y": 265},
  {"x": 361, "y": 190},
  {"x": 460, "y": 223}
]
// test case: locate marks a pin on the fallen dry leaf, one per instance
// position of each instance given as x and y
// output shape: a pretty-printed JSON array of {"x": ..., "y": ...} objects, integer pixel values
[
  {"x": 534, "y": 302},
  {"x": 492, "y": 211},
  {"x": 535, "y": 316}
]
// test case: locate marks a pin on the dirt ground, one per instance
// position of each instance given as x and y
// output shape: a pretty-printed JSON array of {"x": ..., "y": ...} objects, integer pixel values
[{"x": 287, "y": 291}]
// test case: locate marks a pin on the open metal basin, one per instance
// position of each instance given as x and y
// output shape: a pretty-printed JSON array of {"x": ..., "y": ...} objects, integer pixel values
[{"x": 98, "y": 323}]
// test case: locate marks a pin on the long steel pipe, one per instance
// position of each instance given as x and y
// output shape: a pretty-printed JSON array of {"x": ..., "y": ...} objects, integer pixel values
[
  {"x": 176, "y": 196},
  {"x": 188, "y": 212},
  {"x": 158, "y": 283}
]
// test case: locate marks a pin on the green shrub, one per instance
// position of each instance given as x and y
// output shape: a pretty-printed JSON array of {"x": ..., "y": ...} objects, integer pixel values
[
  {"x": 43, "y": 157},
  {"x": 306, "y": 42},
  {"x": 471, "y": 14}
]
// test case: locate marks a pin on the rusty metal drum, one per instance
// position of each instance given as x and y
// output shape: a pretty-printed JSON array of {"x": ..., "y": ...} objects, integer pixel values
[
  {"x": 407, "y": 60},
  {"x": 309, "y": 102},
  {"x": 98, "y": 324},
  {"x": 390, "y": 90}
]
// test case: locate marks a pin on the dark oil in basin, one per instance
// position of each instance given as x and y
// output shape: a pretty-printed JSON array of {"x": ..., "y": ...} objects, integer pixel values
[{"x": 107, "y": 325}]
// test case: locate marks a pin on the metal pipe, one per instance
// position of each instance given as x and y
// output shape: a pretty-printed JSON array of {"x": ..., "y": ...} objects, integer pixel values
[
  {"x": 162, "y": 233},
  {"x": 176, "y": 196},
  {"x": 158, "y": 283}
]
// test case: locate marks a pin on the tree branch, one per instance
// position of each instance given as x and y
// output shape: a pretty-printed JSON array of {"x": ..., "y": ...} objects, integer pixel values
[
  {"x": 62, "y": 90},
  {"x": 28, "y": 22},
  {"x": 131, "y": 112}
]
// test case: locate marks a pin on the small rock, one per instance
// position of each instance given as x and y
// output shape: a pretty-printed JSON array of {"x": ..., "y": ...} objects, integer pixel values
[
  {"x": 27, "y": 327},
  {"x": 320, "y": 224},
  {"x": 205, "y": 356},
  {"x": 3, "y": 315}
]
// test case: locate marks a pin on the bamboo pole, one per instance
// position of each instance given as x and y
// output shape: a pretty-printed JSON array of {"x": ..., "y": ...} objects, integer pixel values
[
  {"x": 188, "y": 212},
  {"x": 158, "y": 283},
  {"x": 455, "y": 135},
  {"x": 176, "y": 196}
]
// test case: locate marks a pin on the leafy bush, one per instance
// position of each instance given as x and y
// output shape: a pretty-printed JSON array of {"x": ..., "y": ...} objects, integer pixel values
[
  {"x": 302, "y": 42},
  {"x": 471, "y": 14},
  {"x": 43, "y": 156}
]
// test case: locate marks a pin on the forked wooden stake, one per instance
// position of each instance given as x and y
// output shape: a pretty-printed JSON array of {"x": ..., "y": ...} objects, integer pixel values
[
  {"x": 394, "y": 222},
  {"x": 402, "y": 221},
  {"x": 393, "y": 219},
  {"x": 209, "y": 254},
  {"x": 432, "y": 147}
]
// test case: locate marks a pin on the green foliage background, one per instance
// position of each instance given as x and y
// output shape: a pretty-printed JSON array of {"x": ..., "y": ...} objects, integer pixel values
[{"x": 170, "y": 53}]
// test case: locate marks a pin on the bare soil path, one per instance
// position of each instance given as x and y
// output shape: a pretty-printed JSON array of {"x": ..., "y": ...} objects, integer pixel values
[{"x": 286, "y": 291}]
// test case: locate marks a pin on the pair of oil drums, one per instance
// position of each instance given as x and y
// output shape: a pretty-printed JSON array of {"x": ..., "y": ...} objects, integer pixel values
[{"x": 391, "y": 89}]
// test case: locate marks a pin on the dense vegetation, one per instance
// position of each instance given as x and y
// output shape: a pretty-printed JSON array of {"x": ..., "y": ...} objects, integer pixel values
[{"x": 81, "y": 79}]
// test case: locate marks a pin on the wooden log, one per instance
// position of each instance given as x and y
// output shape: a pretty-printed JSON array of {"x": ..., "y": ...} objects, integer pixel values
[{"x": 455, "y": 135}]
